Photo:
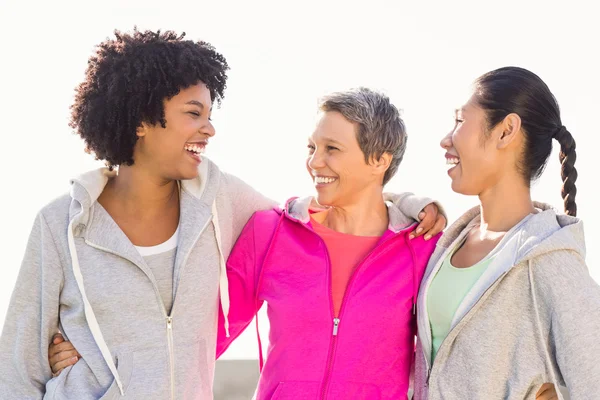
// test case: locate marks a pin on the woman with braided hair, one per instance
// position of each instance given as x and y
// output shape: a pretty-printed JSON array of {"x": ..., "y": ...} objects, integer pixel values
[{"x": 507, "y": 303}]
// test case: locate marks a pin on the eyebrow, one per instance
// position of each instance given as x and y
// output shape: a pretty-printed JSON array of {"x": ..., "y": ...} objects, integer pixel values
[
  {"x": 328, "y": 139},
  {"x": 196, "y": 103}
]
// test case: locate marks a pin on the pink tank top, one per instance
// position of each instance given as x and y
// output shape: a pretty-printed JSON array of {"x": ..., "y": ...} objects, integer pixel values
[{"x": 345, "y": 252}]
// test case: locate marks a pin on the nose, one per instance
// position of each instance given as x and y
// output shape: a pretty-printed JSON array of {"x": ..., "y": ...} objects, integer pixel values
[
  {"x": 315, "y": 161},
  {"x": 446, "y": 142},
  {"x": 208, "y": 129}
]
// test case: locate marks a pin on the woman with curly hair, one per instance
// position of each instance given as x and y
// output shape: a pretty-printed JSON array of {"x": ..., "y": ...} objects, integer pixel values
[
  {"x": 128, "y": 265},
  {"x": 131, "y": 264}
]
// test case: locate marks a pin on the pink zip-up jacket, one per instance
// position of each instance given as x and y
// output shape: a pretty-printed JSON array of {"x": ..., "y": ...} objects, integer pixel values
[{"x": 364, "y": 353}]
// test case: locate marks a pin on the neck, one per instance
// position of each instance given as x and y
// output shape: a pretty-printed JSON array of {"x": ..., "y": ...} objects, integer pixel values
[
  {"x": 366, "y": 217},
  {"x": 504, "y": 205},
  {"x": 140, "y": 192}
]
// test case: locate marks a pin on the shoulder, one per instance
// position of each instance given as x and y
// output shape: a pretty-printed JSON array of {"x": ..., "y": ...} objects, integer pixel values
[{"x": 56, "y": 212}]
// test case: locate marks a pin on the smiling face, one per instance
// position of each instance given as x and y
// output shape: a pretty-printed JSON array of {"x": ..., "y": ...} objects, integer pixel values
[
  {"x": 474, "y": 159},
  {"x": 174, "y": 152},
  {"x": 336, "y": 163}
]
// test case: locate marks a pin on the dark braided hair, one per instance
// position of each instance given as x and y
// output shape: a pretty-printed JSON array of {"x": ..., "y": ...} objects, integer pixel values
[
  {"x": 126, "y": 82},
  {"x": 517, "y": 90}
]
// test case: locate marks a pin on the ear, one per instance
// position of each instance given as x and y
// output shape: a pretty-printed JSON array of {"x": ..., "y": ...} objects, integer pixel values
[
  {"x": 382, "y": 164},
  {"x": 510, "y": 128},
  {"x": 141, "y": 130}
]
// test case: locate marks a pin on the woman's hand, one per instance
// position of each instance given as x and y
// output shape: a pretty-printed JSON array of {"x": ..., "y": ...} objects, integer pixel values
[
  {"x": 432, "y": 222},
  {"x": 61, "y": 354}
]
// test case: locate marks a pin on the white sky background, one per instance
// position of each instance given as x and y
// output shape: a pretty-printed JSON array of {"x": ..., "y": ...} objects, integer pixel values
[{"x": 283, "y": 57}]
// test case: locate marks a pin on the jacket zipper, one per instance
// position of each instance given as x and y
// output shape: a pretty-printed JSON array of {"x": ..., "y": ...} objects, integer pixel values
[
  {"x": 332, "y": 348},
  {"x": 337, "y": 320},
  {"x": 168, "y": 318}
]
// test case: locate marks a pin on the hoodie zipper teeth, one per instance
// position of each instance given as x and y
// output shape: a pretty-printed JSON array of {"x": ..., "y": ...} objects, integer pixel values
[
  {"x": 170, "y": 317},
  {"x": 337, "y": 320},
  {"x": 171, "y": 356}
]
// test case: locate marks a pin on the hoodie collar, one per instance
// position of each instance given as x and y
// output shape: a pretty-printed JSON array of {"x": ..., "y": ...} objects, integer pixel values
[
  {"x": 301, "y": 208},
  {"x": 542, "y": 232}
]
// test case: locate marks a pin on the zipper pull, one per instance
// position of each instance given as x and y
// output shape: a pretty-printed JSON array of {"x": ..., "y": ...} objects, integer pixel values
[
  {"x": 336, "y": 324},
  {"x": 169, "y": 323}
]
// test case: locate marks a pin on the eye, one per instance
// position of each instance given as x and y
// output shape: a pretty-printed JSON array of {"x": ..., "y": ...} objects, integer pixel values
[
  {"x": 194, "y": 113},
  {"x": 311, "y": 148},
  {"x": 330, "y": 148}
]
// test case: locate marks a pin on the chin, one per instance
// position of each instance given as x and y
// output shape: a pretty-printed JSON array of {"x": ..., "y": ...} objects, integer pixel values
[
  {"x": 186, "y": 174},
  {"x": 325, "y": 201},
  {"x": 462, "y": 189}
]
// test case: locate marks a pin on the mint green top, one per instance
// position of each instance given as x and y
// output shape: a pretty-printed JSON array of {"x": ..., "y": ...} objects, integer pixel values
[{"x": 446, "y": 292}]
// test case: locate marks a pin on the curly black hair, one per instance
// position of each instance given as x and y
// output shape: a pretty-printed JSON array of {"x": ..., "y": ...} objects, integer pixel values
[{"x": 126, "y": 82}]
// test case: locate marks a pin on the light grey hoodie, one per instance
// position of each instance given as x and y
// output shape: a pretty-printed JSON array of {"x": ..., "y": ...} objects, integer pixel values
[
  {"x": 532, "y": 317},
  {"x": 81, "y": 274}
]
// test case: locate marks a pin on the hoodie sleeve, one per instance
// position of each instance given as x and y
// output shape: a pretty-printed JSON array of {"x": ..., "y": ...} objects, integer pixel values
[
  {"x": 569, "y": 302},
  {"x": 32, "y": 318},
  {"x": 245, "y": 201},
  {"x": 411, "y": 205},
  {"x": 243, "y": 279}
]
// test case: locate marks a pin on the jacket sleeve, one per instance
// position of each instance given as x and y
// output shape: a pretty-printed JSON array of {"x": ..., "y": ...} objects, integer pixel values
[
  {"x": 242, "y": 274},
  {"x": 411, "y": 205},
  {"x": 568, "y": 301},
  {"x": 32, "y": 318}
]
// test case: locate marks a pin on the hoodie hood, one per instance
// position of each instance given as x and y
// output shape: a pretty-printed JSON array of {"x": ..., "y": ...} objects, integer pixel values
[
  {"x": 539, "y": 233},
  {"x": 397, "y": 204}
]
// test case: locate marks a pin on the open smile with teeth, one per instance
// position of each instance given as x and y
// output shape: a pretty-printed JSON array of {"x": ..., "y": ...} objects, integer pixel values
[
  {"x": 195, "y": 148},
  {"x": 452, "y": 161},
  {"x": 322, "y": 180}
]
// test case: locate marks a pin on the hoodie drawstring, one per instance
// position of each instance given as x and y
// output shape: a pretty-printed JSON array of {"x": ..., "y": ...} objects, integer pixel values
[
  {"x": 89, "y": 312},
  {"x": 223, "y": 282},
  {"x": 541, "y": 334}
]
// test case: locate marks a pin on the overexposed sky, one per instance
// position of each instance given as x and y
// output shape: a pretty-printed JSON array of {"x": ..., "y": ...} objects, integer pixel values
[{"x": 283, "y": 56}]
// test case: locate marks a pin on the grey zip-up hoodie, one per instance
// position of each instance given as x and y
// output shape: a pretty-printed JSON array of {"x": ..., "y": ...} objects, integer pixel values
[
  {"x": 81, "y": 272},
  {"x": 532, "y": 317}
]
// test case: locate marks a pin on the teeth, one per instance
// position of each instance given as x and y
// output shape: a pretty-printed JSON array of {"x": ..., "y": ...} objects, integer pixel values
[
  {"x": 323, "y": 179},
  {"x": 452, "y": 161},
  {"x": 194, "y": 148}
]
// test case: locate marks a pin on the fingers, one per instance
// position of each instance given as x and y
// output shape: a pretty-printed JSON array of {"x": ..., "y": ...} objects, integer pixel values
[
  {"x": 439, "y": 226},
  {"x": 427, "y": 221},
  {"x": 57, "y": 348},
  {"x": 59, "y": 366},
  {"x": 57, "y": 338},
  {"x": 62, "y": 356},
  {"x": 547, "y": 392}
]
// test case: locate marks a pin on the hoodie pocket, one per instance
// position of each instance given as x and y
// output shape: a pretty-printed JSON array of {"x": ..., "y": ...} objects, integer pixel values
[
  {"x": 79, "y": 379},
  {"x": 296, "y": 390},
  {"x": 125, "y": 369},
  {"x": 299, "y": 390}
]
